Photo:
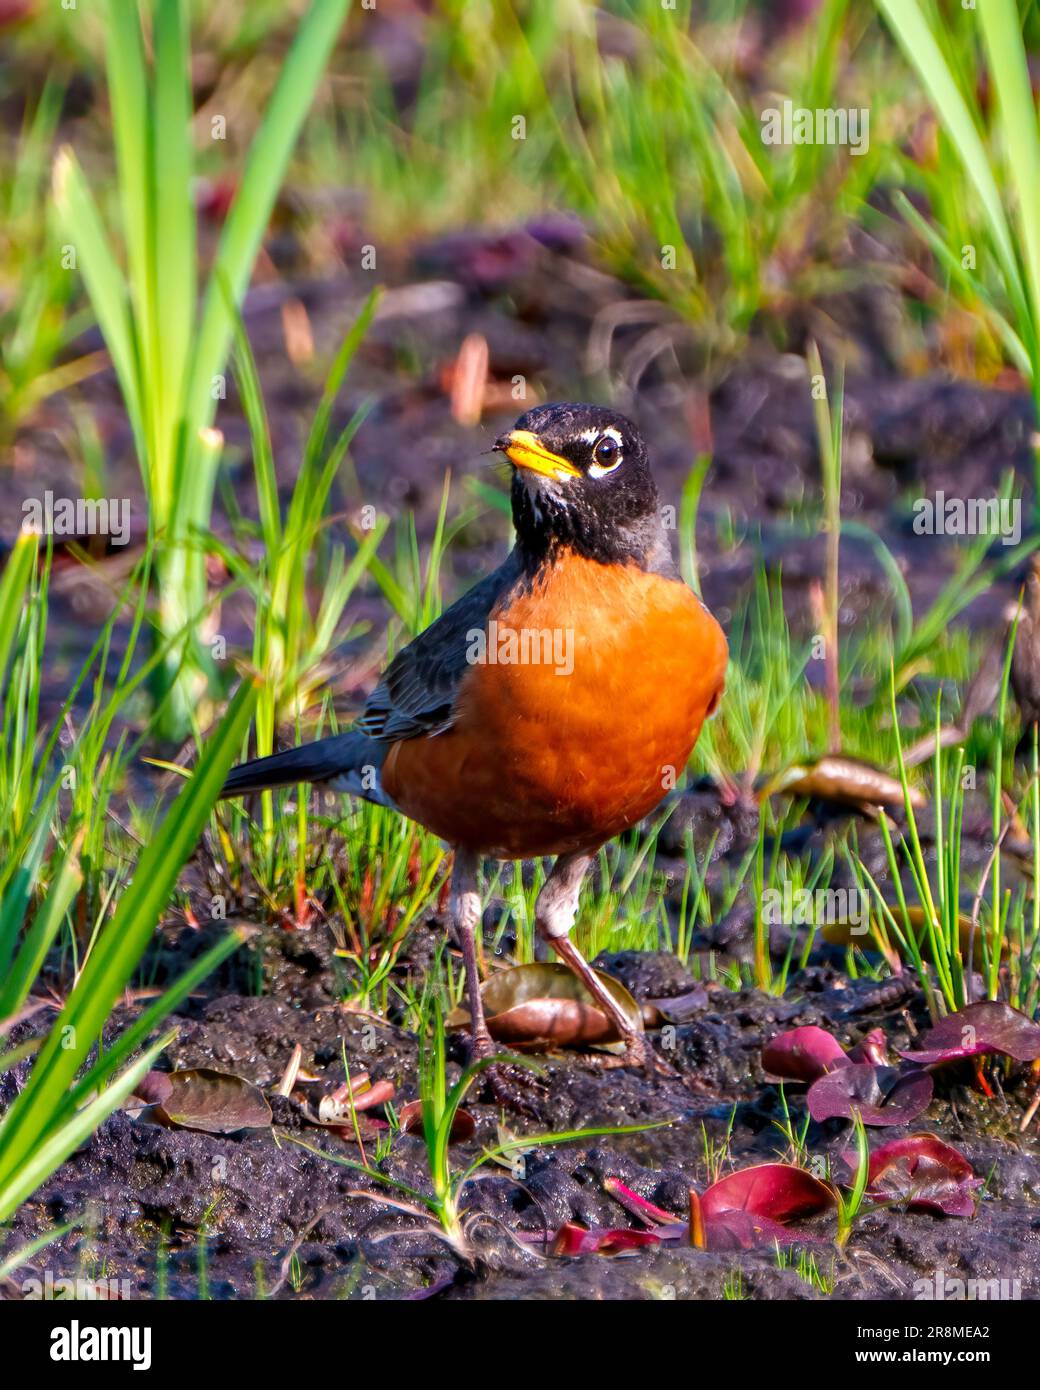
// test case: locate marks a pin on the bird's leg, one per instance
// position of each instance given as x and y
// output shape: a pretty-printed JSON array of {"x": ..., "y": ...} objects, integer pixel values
[
  {"x": 508, "y": 1084},
  {"x": 465, "y": 914},
  {"x": 555, "y": 912}
]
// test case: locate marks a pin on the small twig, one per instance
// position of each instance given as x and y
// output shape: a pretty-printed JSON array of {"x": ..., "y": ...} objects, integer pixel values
[
  {"x": 286, "y": 1264},
  {"x": 292, "y": 1070},
  {"x": 1032, "y": 1108}
]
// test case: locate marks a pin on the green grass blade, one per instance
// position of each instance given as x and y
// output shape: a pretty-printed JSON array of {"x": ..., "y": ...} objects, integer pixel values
[
  {"x": 104, "y": 281},
  {"x": 174, "y": 210},
  {"x": 122, "y": 943},
  {"x": 14, "y": 587},
  {"x": 27, "y": 963},
  {"x": 249, "y": 215},
  {"x": 19, "y": 886},
  {"x": 127, "y": 73},
  {"x": 252, "y": 397},
  {"x": 907, "y": 22},
  {"x": 25, "y": 1253},
  {"x": 969, "y": 284},
  {"x": 1009, "y": 71},
  {"x": 337, "y": 372}
]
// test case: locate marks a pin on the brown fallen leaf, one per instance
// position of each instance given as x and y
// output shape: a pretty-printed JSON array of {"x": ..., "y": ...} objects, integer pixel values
[
  {"x": 153, "y": 1088},
  {"x": 473, "y": 394},
  {"x": 545, "y": 1004},
  {"x": 1017, "y": 840},
  {"x": 839, "y": 778},
  {"x": 212, "y": 1101},
  {"x": 949, "y": 736},
  {"x": 463, "y": 1126},
  {"x": 678, "y": 1008}
]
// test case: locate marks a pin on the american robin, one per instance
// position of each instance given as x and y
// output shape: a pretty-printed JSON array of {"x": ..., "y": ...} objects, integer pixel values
[{"x": 554, "y": 704}]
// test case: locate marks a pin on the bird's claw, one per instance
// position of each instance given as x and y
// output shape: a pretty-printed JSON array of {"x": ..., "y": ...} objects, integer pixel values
[
  {"x": 638, "y": 1053},
  {"x": 517, "y": 1088}
]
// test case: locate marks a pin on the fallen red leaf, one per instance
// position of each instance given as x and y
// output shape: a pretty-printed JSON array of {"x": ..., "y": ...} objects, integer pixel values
[
  {"x": 802, "y": 1054},
  {"x": 573, "y": 1239},
  {"x": 988, "y": 1026},
  {"x": 924, "y": 1172},
  {"x": 880, "y": 1095}
]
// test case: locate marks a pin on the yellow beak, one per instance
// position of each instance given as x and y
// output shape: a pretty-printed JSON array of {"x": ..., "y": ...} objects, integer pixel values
[{"x": 523, "y": 448}]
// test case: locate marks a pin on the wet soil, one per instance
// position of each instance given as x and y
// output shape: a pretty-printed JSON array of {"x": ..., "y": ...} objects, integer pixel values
[{"x": 234, "y": 1216}]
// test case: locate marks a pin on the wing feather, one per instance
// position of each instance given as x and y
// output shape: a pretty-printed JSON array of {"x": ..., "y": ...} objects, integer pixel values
[{"x": 417, "y": 693}]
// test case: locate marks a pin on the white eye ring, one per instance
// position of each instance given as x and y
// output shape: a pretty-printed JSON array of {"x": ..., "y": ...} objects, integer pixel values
[{"x": 599, "y": 470}]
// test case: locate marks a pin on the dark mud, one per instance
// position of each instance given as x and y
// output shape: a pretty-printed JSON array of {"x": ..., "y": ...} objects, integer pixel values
[{"x": 236, "y": 1216}]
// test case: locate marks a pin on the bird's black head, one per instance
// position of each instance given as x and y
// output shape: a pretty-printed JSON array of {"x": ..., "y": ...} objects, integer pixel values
[{"x": 581, "y": 481}]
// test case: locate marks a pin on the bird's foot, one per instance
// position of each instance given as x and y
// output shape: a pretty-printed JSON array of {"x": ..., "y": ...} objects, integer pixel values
[
  {"x": 516, "y": 1088},
  {"x": 638, "y": 1053}
]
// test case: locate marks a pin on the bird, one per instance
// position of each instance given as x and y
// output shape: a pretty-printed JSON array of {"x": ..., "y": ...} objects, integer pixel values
[{"x": 554, "y": 705}]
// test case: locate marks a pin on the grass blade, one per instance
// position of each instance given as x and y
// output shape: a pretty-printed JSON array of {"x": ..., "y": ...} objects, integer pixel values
[
  {"x": 121, "y": 944},
  {"x": 14, "y": 587},
  {"x": 174, "y": 211},
  {"x": 251, "y": 209},
  {"x": 907, "y": 22},
  {"x": 105, "y": 284}
]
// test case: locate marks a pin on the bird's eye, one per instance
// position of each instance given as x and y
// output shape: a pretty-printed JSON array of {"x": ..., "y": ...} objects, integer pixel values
[{"x": 607, "y": 452}]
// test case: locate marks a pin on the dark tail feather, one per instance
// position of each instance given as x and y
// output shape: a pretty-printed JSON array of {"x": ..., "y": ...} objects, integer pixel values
[{"x": 341, "y": 761}]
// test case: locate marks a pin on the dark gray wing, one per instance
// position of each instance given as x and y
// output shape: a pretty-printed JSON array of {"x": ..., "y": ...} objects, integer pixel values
[{"x": 417, "y": 692}]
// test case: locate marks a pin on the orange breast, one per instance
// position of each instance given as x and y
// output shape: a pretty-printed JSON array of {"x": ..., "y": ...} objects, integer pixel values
[{"x": 572, "y": 729}]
